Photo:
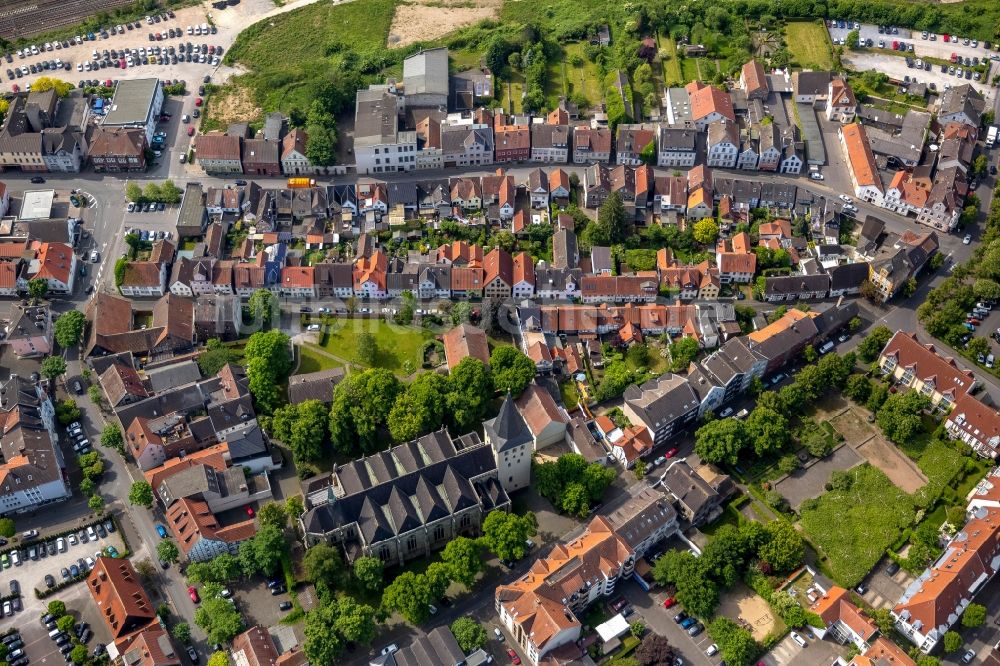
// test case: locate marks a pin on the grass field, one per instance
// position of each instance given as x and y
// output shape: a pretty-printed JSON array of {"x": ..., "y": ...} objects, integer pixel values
[
  {"x": 585, "y": 79},
  {"x": 672, "y": 74},
  {"x": 689, "y": 69},
  {"x": 310, "y": 361},
  {"x": 853, "y": 527},
  {"x": 396, "y": 344},
  {"x": 809, "y": 44},
  {"x": 291, "y": 55}
]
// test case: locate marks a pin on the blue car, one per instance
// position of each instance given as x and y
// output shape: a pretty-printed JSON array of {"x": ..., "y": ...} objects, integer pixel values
[
  {"x": 162, "y": 531},
  {"x": 688, "y": 622}
]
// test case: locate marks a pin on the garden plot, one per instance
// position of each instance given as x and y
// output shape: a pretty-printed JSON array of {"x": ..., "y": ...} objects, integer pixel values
[{"x": 887, "y": 457}]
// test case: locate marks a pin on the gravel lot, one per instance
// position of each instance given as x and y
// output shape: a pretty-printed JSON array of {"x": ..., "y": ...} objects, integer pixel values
[{"x": 896, "y": 69}]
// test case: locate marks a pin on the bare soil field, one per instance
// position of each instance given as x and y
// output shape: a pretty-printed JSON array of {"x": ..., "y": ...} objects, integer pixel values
[
  {"x": 852, "y": 424},
  {"x": 741, "y": 603},
  {"x": 423, "y": 20},
  {"x": 901, "y": 470},
  {"x": 234, "y": 104}
]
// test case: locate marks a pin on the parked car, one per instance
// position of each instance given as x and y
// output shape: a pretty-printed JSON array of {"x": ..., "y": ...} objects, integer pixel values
[
  {"x": 193, "y": 593},
  {"x": 514, "y": 659},
  {"x": 161, "y": 530}
]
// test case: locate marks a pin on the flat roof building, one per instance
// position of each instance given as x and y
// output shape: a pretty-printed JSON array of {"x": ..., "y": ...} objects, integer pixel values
[
  {"x": 136, "y": 103},
  {"x": 36, "y": 205}
]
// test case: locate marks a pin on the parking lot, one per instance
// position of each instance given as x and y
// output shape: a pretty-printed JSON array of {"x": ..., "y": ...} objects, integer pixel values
[
  {"x": 31, "y": 572},
  {"x": 229, "y": 22},
  {"x": 895, "y": 65}
]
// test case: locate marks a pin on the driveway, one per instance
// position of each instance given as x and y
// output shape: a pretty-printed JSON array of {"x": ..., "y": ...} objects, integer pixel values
[
  {"x": 807, "y": 483},
  {"x": 885, "y": 590},
  {"x": 815, "y": 652},
  {"x": 661, "y": 621}
]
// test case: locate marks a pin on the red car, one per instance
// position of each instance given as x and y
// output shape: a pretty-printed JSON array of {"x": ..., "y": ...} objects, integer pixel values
[
  {"x": 197, "y": 101},
  {"x": 668, "y": 602},
  {"x": 973, "y": 321},
  {"x": 671, "y": 453},
  {"x": 191, "y": 131},
  {"x": 193, "y": 593},
  {"x": 514, "y": 659},
  {"x": 249, "y": 508},
  {"x": 15, "y": 87}
]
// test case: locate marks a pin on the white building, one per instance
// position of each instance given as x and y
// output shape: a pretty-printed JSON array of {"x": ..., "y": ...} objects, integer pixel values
[{"x": 379, "y": 145}]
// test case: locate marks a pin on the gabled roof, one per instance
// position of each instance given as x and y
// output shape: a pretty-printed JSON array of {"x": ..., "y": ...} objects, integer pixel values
[
  {"x": 465, "y": 340},
  {"x": 928, "y": 366},
  {"x": 860, "y": 157}
]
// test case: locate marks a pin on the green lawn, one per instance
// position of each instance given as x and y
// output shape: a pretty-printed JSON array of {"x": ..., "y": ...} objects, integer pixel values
[
  {"x": 291, "y": 56},
  {"x": 585, "y": 79},
  {"x": 570, "y": 394},
  {"x": 396, "y": 344},
  {"x": 689, "y": 69},
  {"x": 809, "y": 44},
  {"x": 853, "y": 527},
  {"x": 672, "y": 74},
  {"x": 310, "y": 361}
]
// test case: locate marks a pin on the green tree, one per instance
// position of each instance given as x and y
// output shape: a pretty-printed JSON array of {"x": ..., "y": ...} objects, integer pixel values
[
  {"x": 322, "y": 643},
  {"x": 219, "y": 620},
  {"x": 7, "y": 528},
  {"x": 67, "y": 412},
  {"x": 268, "y": 362},
  {"x": 219, "y": 658},
  {"x": 303, "y": 428},
  {"x": 721, "y": 441},
  {"x": 409, "y": 595},
  {"x": 784, "y": 548},
  {"x": 985, "y": 288},
  {"x": 873, "y": 343},
  {"x": 469, "y": 394},
  {"x": 505, "y": 534},
  {"x": 768, "y": 430},
  {"x": 56, "y": 608},
  {"x": 323, "y": 567},
  {"x": 464, "y": 560},
  {"x": 884, "y": 620},
  {"x": 470, "y": 634},
  {"x": 368, "y": 572},
  {"x": 974, "y": 616},
  {"x": 361, "y": 406},
  {"x": 682, "y": 352},
  {"x": 65, "y": 623},
  {"x": 420, "y": 409},
  {"x": 273, "y": 513},
  {"x": 215, "y": 357},
  {"x": 611, "y": 216},
  {"x": 96, "y": 504},
  {"x": 263, "y": 553},
  {"x": 167, "y": 551},
  {"x": 53, "y": 367},
  {"x": 900, "y": 416},
  {"x": 696, "y": 591},
  {"x": 38, "y": 288},
  {"x": 367, "y": 348},
  {"x": 355, "y": 621},
  {"x": 141, "y": 494},
  {"x": 182, "y": 632},
  {"x": 112, "y": 438},
  {"x": 294, "y": 507},
  {"x": 512, "y": 371},
  {"x": 79, "y": 654},
  {"x": 69, "y": 328},
  {"x": 952, "y": 642},
  {"x": 706, "y": 231},
  {"x": 262, "y": 305},
  {"x": 736, "y": 644}
]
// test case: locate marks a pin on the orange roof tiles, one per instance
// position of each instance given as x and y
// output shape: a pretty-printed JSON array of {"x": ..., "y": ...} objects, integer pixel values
[
  {"x": 466, "y": 278},
  {"x": 883, "y": 652},
  {"x": 371, "y": 268},
  {"x": 8, "y": 275},
  {"x": 835, "y": 606},
  {"x": 754, "y": 78},
  {"x": 55, "y": 261},
  {"x": 539, "y": 409},
  {"x": 524, "y": 269},
  {"x": 706, "y": 100},
  {"x": 780, "y": 325},
  {"x": 860, "y": 157}
]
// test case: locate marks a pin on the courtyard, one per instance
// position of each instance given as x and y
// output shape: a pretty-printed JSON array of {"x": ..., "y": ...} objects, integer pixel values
[
  {"x": 749, "y": 609},
  {"x": 399, "y": 348}
]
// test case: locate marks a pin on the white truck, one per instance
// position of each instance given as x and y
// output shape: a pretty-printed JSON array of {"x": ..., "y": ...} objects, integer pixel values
[{"x": 991, "y": 136}]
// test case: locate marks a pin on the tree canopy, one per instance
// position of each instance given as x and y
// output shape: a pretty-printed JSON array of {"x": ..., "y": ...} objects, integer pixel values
[
  {"x": 512, "y": 371},
  {"x": 505, "y": 534},
  {"x": 268, "y": 362},
  {"x": 69, "y": 328},
  {"x": 571, "y": 484},
  {"x": 720, "y": 441}
]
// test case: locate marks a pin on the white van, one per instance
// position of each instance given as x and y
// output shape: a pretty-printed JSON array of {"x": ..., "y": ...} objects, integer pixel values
[
  {"x": 826, "y": 348},
  {"x": 54, "y": 633},
  {"x": 798, "y": 639},
  {"x": 313, "y": 327}
]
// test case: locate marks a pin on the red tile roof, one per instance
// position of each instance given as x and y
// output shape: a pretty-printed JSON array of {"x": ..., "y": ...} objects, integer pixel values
[
  {"x": 298, "y": 276},
  {"x": 466, "y": 278},
  {"x": 498, "y": 264},
  {"x": 927, "y": 365},
  {"x": 524, "y": 269},
  {"x": 119, "y": 595},
  {"x": 465, "y": 340},
  {"x": 706, "y": 100},
  {"x": 55, "y": 261}
]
